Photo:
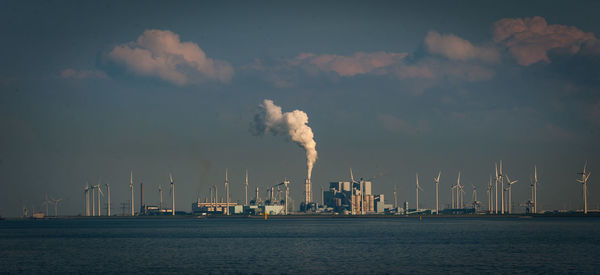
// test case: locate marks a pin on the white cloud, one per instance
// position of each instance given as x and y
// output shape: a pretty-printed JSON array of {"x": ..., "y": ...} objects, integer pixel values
[
  {"x": 530, "y": 39},
  {"x": 161, "y": 54},
  {"x": 456, "y": 48},
  {"x": 358, "y": 63}
]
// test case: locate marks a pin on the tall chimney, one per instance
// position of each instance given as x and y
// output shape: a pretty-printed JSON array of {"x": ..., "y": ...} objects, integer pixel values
[{"x": 307, "y": 192}]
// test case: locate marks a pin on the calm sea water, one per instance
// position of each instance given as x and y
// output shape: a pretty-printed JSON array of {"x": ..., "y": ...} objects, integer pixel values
[{"x": 316, "y": 245}]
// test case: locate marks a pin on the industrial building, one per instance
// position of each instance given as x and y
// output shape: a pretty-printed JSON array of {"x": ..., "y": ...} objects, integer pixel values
[
  {"x": 216, "y": 208},
  {"x": 353, "y": 197},
  {"x": 275, "y": 202}
]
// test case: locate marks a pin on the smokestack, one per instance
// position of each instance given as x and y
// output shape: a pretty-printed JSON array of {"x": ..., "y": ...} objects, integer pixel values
[
  {"x": 292, "y": 124},
  {"x": 307, "y": 192},
  {"x": 257, "y": 199}
]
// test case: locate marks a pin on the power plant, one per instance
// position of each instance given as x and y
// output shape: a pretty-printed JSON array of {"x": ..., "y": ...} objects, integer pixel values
[{"x": 345, "y": 197}]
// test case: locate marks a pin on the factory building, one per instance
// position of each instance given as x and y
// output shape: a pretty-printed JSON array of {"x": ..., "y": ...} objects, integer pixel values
[
  {"x": 380, "y": 205},
  {"x": 216, "y": 208},
  {"x": 154, "y": 210},
  {"x": 350, "y": 197}
]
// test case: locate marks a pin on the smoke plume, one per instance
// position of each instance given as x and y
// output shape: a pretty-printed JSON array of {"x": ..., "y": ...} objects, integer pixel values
[{"x": 290, "y": 124}]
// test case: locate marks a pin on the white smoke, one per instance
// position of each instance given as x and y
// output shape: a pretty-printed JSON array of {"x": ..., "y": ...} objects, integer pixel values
[{"x": 291, "y": 124}]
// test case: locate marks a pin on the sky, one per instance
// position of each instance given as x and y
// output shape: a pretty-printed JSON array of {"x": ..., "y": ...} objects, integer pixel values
[{"x": 90, "y": 91}]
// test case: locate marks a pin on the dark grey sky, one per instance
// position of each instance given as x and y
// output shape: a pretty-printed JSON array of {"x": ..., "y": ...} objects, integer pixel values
[{"x": 91, "y": 90}]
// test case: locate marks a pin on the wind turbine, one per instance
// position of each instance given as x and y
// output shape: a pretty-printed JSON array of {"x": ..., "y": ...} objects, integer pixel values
[
  {"x": 93, "y": 200},
  {"x": 131, "y": 191},
  {"x": 496, "y": 192},
  {"x": 459, "y": 192},
  {"x": 172, "y": 193},
  {"x": 535, "y": 183},
  {"x": 395, "y": 198},
  {"x": 452, "y": 193},
  {"x": 227, "y": 191},
  {"x": 86, "y": 192},
  {"x": 108, "y": 193},
  {"x": 509, "y": 187},
  {"x": 99, "y": 201},
  {"x": 437, "y": 181},
  {"x": 502, "y": 188},
  {"x": 160, "y": 191},
  {"x": 462, "y": 196},
  {"x": 585, "y": 175},
  {"x": 56, "y": 206},
  {"x": 246, "y": 188},
  {"x": 46, "y": 202},
  {"x": 418, "y": 187},
  {"x": 489, "y": 193}
]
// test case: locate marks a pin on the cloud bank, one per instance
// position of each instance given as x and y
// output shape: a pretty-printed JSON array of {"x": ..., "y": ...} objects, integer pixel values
[
  {"x": 530, "y": 39},
  {"x": 160, "y": 53},
  {"x": 456, "y": 48}
]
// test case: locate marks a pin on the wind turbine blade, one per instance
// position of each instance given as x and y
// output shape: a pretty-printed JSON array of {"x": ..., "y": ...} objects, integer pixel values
[
  {"x": 496, "y": 167},
  {"x": 535, "y": 173},
  {"x": 588, "y": 176}
]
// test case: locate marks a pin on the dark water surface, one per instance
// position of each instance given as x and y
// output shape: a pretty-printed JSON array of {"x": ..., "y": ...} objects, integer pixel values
[{"x": 302, "y": 245}]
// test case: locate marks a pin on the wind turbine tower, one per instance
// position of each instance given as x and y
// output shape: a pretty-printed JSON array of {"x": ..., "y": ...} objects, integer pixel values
[
  {"x": 496, "y": 191},
  {"x": 417, "y": 188},
  {"x": 502, "y": 188},
  {"x": 246, "y": 189},
  {"x": 93, "y": 200},
  {"x": 535, "y": 182},
  {"x": 46, "y": 202},
  {"x": 86, "y": 191},
  {"x": 489, "y": 193},
  {"x": 287, "y": 190},
  {"x": 585, "y": 175},
  {"x": 56, "y": 206},
  {"x": 108, "y": 193},
  {"x": 131, "y": 191},
  {"x": 160, "y": 192},
  {"x": 172, "y": 193},
  {"x": 395, "y": 198},
  {"x": 437, "y": 182},
  {"x": 452, "y": 193},
  {"x": 98, "y": 186},
  {"x": 227, "y": 192},
  {"x": 509, "y": 187},
  {"x": 459, "y": 200}
]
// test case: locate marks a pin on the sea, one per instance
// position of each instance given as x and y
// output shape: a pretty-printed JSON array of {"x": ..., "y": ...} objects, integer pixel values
[{"x": 538, "y": 245}]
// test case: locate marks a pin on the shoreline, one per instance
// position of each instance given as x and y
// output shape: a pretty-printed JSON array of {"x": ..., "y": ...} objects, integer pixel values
[{"x": 312, "y": 216}]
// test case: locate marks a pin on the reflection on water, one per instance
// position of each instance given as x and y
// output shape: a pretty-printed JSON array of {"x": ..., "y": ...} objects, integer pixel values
[{"x": 324, "y": 245}]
